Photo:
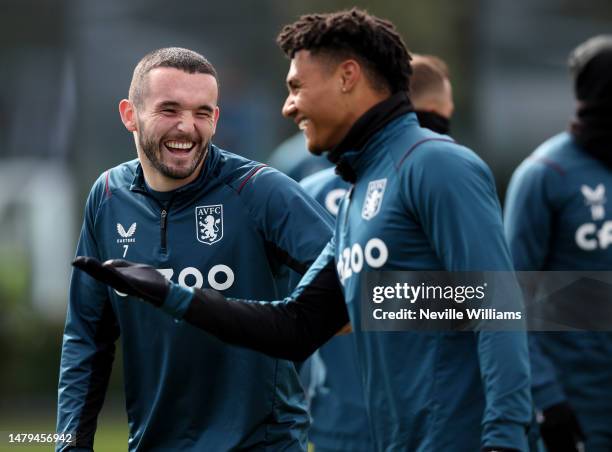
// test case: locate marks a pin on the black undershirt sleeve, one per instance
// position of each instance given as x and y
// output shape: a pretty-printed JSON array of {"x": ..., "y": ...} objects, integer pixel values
[{"x": 292, "y": 329}]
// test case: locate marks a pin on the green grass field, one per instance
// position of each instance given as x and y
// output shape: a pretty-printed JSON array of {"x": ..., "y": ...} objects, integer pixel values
[{"x": 111, "y": 436}]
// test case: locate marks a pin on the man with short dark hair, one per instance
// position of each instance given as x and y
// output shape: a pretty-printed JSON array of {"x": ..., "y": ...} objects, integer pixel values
[
  {"x": 337, "y": 405},
  {"x": 205, "y": 218},
  {"x": 419, "y": 201},
  {"x": 557, "y": 220},
  {"x": 431, "y": 92}
]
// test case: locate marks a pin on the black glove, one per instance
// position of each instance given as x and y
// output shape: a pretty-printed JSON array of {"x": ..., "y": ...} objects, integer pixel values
[
  {"x": 560, "y": 429},
  {"x": 139, "y": 280}
]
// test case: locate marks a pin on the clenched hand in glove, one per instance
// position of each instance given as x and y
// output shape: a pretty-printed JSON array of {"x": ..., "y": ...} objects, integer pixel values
[{"x": 560, "y": 429}]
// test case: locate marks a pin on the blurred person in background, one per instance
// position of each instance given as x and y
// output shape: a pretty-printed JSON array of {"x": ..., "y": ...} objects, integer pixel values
[
  {"x": 419, "y": 201},
  {"x": 557, "y": 219},
  {"x": 337, "y": 405},
  {"x": 292, "y": 158},
  {"x": 431, "y": 93},
  {"x": 202, "y": 216}
]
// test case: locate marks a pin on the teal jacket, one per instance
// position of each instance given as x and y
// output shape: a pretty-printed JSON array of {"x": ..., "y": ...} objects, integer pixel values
[
  {"x": 438, "y": 211},
  {"x": 232, "y": 229},
  {"x": 558, "y": 217}
]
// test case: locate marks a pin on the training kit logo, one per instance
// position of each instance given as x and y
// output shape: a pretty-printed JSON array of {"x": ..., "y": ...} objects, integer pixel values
[
  {"x": 595, "y": 198},
  {"x": 373, "y": 198},
  {"x": 126, "y": 236},
  {"x": 209, "y": 223}
]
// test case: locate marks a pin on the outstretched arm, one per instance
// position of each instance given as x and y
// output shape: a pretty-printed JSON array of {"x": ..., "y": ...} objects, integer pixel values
[{"x": 289, "y": 329}]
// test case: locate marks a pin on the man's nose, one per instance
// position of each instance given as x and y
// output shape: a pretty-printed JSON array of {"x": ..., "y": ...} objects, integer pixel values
[
  {"x": 186, "y": 122},
  {"x": 289, "y": 109}
]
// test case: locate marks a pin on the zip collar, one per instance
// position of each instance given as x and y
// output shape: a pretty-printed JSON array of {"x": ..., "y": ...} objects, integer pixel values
[{"x": 348, "y": 151}]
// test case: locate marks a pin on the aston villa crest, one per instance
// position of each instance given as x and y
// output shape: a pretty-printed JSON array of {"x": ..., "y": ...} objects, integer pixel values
[
  {"x": 209, "y": 223},
  {"x": 373, "y": 198}
]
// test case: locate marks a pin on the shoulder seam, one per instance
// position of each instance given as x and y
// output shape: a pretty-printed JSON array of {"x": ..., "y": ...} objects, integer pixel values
[
  {"x": 550, "y": 163},
  {"x": 104, "y": 198},
  {"x": 107, "y": 185},
  {"x": 251, "y": 174},
  {"x": 417, "y": 144}
]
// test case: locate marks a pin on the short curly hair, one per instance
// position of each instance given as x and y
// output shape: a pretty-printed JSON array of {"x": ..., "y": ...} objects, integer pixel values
[{"x": 354, "y": 33}]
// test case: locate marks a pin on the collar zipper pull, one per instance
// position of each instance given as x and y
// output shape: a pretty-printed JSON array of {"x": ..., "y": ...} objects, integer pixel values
[{"x": 163, "y": 224}]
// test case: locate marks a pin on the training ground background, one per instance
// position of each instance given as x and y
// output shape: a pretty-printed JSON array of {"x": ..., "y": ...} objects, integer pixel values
[{"x": 67, "y": 63}]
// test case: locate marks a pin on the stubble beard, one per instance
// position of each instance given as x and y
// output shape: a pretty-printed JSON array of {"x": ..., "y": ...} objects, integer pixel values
[{"x": 152, "y": 148}]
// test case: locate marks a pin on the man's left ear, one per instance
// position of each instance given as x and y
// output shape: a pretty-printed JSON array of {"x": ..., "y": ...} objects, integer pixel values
[{"x": 350, "y": 73}]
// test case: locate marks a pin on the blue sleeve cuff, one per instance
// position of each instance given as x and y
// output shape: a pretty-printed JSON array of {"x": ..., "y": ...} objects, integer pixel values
[
  {"x": 177, "y": 301},
  {"x": 507, "y": 435}
]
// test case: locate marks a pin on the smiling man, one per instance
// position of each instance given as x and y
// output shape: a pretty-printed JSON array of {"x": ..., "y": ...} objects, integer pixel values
[
  {"x": 418, "y": 201},
  {"x": 171, "y": 150},
  {"x": 203, "y": 218}
]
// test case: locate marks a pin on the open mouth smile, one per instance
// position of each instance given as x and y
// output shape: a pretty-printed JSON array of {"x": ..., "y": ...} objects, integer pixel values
[{"x": 179, "y": 147}]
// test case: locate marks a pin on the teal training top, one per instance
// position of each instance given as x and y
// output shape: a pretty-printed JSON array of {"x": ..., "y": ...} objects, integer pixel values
[
  {"x": 558, "y": 217},
  {"x": 231, "y": 229}
]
